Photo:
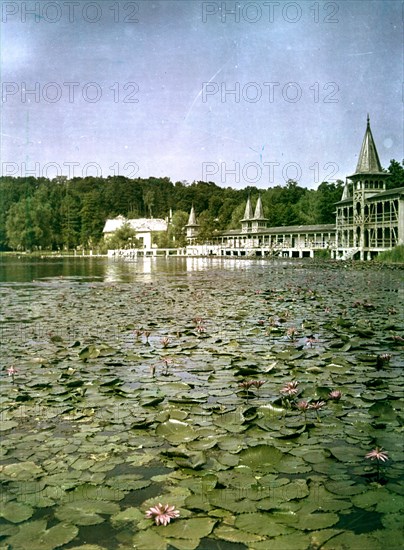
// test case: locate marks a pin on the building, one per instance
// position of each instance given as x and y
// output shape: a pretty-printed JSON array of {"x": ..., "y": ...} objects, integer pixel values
[
  {"x": 144, "y": 227},
  {"x": 192, "y": 227},
  {"x": 369, "y": 220}
]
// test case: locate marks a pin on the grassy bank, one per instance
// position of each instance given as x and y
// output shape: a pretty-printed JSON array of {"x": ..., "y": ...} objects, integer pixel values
[{"x": 393, "y": 256}]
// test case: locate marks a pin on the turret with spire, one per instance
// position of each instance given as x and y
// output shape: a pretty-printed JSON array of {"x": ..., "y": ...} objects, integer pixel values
[
  {"x": 192, "y": 227},
  {"x": 367, "y": 181},
  {"x": 259, "y": 221},
  {"x": 248, "y": 216},
  {"x": 253, "y": 222}
]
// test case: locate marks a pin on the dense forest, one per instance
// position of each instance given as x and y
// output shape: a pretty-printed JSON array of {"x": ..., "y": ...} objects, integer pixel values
[{"x": 58, "y": 214}]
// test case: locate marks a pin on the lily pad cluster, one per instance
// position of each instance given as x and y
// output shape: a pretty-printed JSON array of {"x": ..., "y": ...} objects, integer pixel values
[{"x": 134, "y": 388}]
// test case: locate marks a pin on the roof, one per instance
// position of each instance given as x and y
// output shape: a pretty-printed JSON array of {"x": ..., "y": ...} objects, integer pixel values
[
  {"x": 248, "y": 213},
  {"x": 397, "y": 191},
  {"x": 378, "y": 195},
  {"x": 192, "y": 218},
  {"x": 259, "y": 211},
  {"x": 139, "y": 224},
  {"x": 368, "y": 161},
  {"x": 330, "y": 227}
]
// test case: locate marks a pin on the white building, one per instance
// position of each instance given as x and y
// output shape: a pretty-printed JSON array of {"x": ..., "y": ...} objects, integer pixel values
[{"x": 144, "y": 227}]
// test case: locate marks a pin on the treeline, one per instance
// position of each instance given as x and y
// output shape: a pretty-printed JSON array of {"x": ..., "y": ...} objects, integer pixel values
[{"x": 37, "y": 213}]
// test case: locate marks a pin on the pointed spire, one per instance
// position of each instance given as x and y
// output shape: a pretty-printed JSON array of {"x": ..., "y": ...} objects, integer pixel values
[
  {"x": 248, "y": 213},
  {"x": 259, "y": 211},
  {"x": 192, "y": 217},
  {"x": 346, "y": 194},
  {"x": 368, "y": 161}
]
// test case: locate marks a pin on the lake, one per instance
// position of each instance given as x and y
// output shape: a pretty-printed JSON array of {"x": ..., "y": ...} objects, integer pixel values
[{"x": 245, "y": 393}]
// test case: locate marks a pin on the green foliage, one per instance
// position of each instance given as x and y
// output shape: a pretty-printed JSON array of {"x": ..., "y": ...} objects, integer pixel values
[
  {"x": 124, "y": 237},
  {"x": 395, "y": 255},
  {"x": 396, "y": 178},
  {"x": 29, "y": 223},
  {"x": 207, "y": 227},
  {"x": 175, "y": 236},
  {"x": 65, "y": 214}
]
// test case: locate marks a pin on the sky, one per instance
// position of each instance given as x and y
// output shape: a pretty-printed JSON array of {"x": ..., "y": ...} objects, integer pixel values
[{"x": 238, "y": 93}]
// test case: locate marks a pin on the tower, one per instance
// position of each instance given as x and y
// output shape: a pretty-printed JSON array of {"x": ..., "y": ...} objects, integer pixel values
[
  {"x": 368, "y": 180},
  {"x": 192, "y": 227},
  {"x": 259, "y": 221},
  {"x": 246, "y": 222}
]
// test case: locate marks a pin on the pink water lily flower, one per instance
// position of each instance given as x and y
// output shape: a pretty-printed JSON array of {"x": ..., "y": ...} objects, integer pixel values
[
  {"x": 378, "y": 454},
  {"x": 162, "y": 514},
  {"x": 291, "y": 388},
  {"x": 335, "y": 395}
]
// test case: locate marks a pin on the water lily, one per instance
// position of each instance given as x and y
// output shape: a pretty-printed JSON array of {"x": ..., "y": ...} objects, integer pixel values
[
  {"x": 258, "y": 383},
  {"x": 165, "y": 341},
  {"x": 167, "y": 362},
  {"x": 291, "y": 333},
  {"x": 290, "y": 389},
  {"x": 335, "y": 395},
  {"x": 247, "y": 384},
  {"x": 310, "y": 341},
  {"x": 316, "y": 406},
  {"x": 162, "y": 514},
  {"x": 11, "y": 372},
  {"x": 303, "y": 405},
  {"x": 378, "y": 454},
  {"x": 382, "y": 359}
]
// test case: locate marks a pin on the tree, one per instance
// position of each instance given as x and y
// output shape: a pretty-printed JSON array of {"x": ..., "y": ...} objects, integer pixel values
[
  {"x": 326, "y": 197},
  {"x": 92, "y": 218},
  {"x": 207, "y": 227},
  {"x": 397, "y": 175},
  {"x": 29, "y": 224},
  {"x": 123, "y": 237},
  {"x": 71, "y": 220}
]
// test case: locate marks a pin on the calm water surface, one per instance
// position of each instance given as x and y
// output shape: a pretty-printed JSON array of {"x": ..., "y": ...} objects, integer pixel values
[{"x": 84, "y": 408}]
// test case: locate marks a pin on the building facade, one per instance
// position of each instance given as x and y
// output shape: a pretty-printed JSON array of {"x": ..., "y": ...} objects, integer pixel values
[
  {"x": 369, "y": 220},
  {"x": 144, "y": 227}
]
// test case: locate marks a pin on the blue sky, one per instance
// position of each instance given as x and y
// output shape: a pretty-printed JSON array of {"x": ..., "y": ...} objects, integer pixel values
[{"x": 239, "y": 93}]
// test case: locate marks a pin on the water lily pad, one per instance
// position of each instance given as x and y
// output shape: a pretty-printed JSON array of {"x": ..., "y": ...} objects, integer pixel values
[
  {"x": 149, "y": 539},
  {"x": 21, "y": 470},
  {"x": 260, "y": 524},
  {"x": 184, "y": 544},
  {"x": 34, "y": 535},
  {"x": 316, "y": 521},
  {"x": 176, "y": 432},
  {"x": 261, "y": 457},
  {"x": 194, "y": 528},
  {"x": 226, "y": 532},
  {"x": 351, "y": 540},
  {"x": 129, "y": 515},
  {"x": 16, "y": 512},
  {"x": 7, "y": 425},
  {"x": 294, "y": 541},
  {"x": 86, "y": 512},
  {"x": 347, "y": 454}
]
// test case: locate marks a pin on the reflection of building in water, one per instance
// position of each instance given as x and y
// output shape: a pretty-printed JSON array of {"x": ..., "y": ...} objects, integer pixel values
[
  {"x": 118, "y": 272},
  {"x": 369, "y": 219}
]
